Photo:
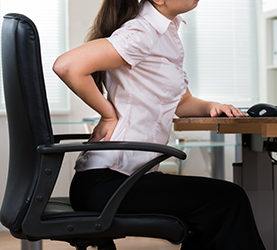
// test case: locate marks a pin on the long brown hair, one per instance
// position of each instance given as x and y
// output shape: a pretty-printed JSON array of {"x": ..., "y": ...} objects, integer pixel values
[{"x": 112, "y": 15}]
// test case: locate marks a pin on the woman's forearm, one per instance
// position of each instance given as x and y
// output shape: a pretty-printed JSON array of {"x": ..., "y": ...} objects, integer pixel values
[
  {"x": 75, "y": 67},
  {"x": 85, "y": 88},
  {"x": 191, "y": 106},
  {"x": 195, "y": 107}
]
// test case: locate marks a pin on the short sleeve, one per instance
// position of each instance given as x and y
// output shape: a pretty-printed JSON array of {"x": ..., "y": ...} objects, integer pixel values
[{"x": 132, "y": 41}]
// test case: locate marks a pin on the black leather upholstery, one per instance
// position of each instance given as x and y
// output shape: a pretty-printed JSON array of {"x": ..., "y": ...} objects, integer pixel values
[
  {"x": 29, "y": 122},
  {"x": 28, "y": 210}
]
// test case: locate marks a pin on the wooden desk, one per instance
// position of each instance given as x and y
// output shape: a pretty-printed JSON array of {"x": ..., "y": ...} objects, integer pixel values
[
  {"x": 267, "y": 127},
  {"x": 256, "y": 174}
]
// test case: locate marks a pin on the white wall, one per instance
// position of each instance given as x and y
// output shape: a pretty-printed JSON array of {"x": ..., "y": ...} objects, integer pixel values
[{"x": 269, "y": 5}]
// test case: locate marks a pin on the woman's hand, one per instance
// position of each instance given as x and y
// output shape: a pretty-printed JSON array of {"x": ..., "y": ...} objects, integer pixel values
[
  {"x": 230, "y": 111},
  {"x": 104, "y": 129}
]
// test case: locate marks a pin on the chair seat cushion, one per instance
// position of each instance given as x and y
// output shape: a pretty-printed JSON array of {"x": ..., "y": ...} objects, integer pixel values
[{"x": 144, "y": 225}]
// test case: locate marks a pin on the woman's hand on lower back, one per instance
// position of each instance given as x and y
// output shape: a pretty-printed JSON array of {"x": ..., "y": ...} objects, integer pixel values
[{"x": 104, "y": 129}]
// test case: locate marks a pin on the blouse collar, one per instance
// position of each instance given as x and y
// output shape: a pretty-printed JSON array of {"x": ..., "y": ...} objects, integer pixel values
[{"x": 158, "y": 20}]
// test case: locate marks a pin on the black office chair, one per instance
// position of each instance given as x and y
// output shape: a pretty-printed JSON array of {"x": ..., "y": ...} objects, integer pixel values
[{"x": 28, "y": 210}]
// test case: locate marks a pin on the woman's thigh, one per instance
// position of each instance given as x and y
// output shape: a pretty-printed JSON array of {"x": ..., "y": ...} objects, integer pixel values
[{"x": 153, "y": 193}]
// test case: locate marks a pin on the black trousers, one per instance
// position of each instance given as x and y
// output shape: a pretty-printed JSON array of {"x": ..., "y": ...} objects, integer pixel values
[{"x": 219, "y": 211}]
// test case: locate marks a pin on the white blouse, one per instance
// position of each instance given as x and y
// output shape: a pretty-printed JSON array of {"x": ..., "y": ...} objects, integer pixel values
[{"x": 146, "y": 94}]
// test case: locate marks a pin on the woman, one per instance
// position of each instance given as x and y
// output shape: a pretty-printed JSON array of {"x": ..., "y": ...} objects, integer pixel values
[{"x": 134, "y": 49}]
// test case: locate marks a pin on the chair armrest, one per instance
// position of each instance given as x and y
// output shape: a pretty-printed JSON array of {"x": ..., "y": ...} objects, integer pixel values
[
  {"x": 104, "y": 221},
  {"x": 111, "y": 145},
  {"x": 109, "y": 211},
  {"x": 60, "y": 137}
]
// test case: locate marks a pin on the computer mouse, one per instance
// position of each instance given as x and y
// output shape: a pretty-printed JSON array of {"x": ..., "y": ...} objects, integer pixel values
[{"x": 262, "y": 110}]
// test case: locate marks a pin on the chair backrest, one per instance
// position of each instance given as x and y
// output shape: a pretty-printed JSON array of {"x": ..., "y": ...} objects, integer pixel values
[{"x": 27, "y": 113}]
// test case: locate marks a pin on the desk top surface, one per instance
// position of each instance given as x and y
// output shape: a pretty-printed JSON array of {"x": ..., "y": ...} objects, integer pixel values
[
  {"x": 225, "y": 120},
  {"x": 267, "y": 126}
]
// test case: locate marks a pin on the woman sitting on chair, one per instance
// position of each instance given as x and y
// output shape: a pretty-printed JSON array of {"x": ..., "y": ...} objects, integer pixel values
[{"x": 134, "y": 49}]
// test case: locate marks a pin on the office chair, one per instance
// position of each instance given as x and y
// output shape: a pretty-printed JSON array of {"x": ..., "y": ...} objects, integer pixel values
[{"x": 36, "y": 155}]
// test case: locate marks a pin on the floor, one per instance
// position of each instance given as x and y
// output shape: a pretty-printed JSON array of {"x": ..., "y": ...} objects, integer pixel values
[{"x": 7, "y": 242}]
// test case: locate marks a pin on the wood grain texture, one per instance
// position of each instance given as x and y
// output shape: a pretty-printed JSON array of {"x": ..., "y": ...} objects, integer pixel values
[
  {"x": 225, "y": 120},
  {"x": 266, "y": 126}
]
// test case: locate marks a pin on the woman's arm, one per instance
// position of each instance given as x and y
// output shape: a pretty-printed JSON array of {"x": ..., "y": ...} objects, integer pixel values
[
  {"x": 75, "y": 68},
  {"x": 191, "y": 106}
]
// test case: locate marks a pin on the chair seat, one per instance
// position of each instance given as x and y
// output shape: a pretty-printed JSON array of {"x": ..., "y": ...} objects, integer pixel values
[{"x": 152, "y": 225}]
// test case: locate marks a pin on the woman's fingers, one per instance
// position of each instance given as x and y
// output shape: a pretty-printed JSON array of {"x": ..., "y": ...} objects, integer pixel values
[{"x": 227, "y": 109}]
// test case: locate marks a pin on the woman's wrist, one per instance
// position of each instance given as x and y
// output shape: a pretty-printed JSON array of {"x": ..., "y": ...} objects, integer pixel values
[{"x": 108, "y": 112}]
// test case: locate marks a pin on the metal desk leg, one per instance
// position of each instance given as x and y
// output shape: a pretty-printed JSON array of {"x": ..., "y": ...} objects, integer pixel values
[
  {"x": 258, "y": 181},
  {"x": 217, "y": 156},
  {"x": 31, "y": 245},
  {"x": 238, "y": 151}
]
